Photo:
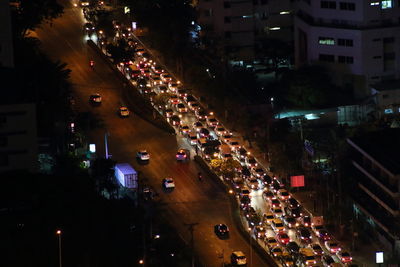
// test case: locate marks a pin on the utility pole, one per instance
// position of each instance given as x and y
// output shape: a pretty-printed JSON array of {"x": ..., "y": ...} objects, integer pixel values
[{"x": 191, "y": 230}]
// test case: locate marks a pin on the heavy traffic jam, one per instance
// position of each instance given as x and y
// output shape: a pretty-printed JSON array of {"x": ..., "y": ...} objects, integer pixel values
[{"x": 271, "y": 215}]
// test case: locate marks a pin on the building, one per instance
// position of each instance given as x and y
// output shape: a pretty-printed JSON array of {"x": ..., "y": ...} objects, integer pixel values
[
  {"x": 376, "y": 174},
  {"x": 18, "y": 137},
  {"x": 6, "y": 44},
  {"x": 386, "y": 97},
  {"x": 237, "y": 28},
  {"x": 358, "y": 40}
]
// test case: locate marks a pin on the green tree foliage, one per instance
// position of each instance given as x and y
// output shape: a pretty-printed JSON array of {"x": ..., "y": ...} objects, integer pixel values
[
  {"x": 103, "y": 173},
  {"x": 285, "y": 155},
  {"x": 44, "y": 82},
  {"x": 169, "y": 22},
  {"x": 226, "y": 168},
  {"x": 29, "y": 14},
  {"x": 310, "y": 87},
  {"x": 120, "y": 51}
]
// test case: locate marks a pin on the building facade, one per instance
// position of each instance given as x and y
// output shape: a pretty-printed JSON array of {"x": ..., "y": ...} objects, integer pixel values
[
  {"x": 236, "y": 28},
  {"x": 359, "y": 40},
  {"x": 376, "y": 196},
  {"x": 6, "y": 44},
  {"x": 18, "y": 137}
]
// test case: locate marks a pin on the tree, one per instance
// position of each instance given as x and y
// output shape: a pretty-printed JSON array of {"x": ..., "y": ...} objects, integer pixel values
[
  {"x": 103, "y": 173},
  {"x": 310, "y": 87},
  {"x": 29, "y": 14}
]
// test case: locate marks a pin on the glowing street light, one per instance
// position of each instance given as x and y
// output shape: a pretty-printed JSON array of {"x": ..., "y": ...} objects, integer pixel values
[{"x": 58, "y": 232}]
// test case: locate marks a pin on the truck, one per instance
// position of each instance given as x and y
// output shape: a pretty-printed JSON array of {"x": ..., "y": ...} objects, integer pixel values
[{"x": 126, "y": 175}]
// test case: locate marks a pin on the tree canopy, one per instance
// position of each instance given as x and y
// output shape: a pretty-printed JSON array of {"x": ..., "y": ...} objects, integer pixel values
[{"x": 29, "y": 14}]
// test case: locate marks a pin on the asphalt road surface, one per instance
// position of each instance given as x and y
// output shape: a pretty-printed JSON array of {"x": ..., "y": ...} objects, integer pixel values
[{"x": 192, "y": 201}]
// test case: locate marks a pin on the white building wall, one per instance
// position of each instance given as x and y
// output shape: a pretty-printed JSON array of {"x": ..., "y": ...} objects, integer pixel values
[{"x": 369, "y": 28}]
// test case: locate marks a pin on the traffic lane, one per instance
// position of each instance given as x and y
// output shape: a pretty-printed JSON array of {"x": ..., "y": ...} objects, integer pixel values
[{"x": 124, "y": 133}]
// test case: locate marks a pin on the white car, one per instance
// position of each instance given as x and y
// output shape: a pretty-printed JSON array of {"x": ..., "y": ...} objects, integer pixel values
[
  {"x": 168, "y": 183},
  {"x": 192, "y": 139},
  {"x": 143, "y": 155},
  {"x": 124, "y": 111}
]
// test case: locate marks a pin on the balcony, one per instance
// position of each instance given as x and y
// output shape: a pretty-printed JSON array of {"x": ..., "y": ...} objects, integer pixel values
[
  {"x": 381, "y": 199},
  {"x": 344, "y": 24},
  {"x": 375, "y": 176}
]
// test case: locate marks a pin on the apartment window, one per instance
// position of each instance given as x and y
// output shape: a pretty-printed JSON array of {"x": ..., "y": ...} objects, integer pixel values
[
  {"x": 345, "y": 42},
  {"x": 377, "y": 57},
  {"x": 326, "y": 41},
  {"x": 387, "y": 4},
  {"x": 388, "y": 111},
  {"x": 374, "y": 4},
  {"x": 376, "y": 39},
  {"x": 227, "y": 20},
  {"x": 345, "y": 60},
  {"x": 227, "y": 5},
  {"x": 228, "y": 35},
  {"x": 264, "y": 2},
  {"x": 347, "y": 6},
  {"x": 385, "y": 96},
  {"x": 328, "y": 4},
  {"x": 326, "y": 58}
]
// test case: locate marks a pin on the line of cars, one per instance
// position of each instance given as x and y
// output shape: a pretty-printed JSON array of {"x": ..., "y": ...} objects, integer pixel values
[
  {"x": 147, "y": 74},
  {"x": 286, "y": 213}
]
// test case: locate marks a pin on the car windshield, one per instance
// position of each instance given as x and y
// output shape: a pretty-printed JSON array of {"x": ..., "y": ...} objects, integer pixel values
[
  {"x": 279, "y": 225},
  {"x": 310, "y": 258},
  {"x": 245, "y": 191},
  {"x": 277, "y": 211},
  {"x": 145, "y": 153},
  {"x": 345, "y": 254},
  {"x": 333, "y": 244}
]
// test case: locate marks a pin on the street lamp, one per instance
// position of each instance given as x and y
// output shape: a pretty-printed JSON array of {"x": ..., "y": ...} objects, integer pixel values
[
  {"x": 251, "y": 248},
  {"x": 58, "y": 232}
]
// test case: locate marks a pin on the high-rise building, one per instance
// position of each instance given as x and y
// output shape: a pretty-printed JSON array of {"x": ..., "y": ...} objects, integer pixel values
[
  {"x": 376, "y": 194},
  {"x": 237, "y": 28},
  {"x": 358, "y": 40}
]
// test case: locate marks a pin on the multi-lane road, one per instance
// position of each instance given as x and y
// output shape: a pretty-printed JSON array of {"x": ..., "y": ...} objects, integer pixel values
[{"x": 192, "y": 201}]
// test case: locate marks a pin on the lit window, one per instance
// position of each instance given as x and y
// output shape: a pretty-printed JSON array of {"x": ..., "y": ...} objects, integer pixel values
[
  {"x": 387, "y": 4},
  {"x": 388, "y": 111},
  {"x": 326, "y": 41},
  {"x": 284, "y": 12},
  {"x": 274, "y": 28},
  {"x": 374, "y": 4}
]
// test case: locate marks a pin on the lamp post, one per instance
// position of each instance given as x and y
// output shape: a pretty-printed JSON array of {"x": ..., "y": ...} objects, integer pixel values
[
  {"x": 58, "y": 232},
  {"x": 251, "y": 248}
]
